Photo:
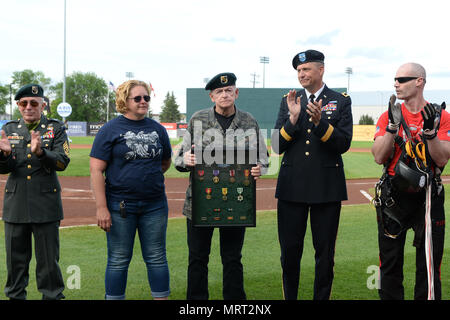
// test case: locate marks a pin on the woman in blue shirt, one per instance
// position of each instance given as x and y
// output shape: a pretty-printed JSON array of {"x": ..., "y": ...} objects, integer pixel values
[{"x": 128, "y": 159}]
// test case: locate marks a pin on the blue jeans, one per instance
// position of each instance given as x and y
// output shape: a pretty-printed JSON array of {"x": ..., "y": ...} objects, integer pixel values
[{"x": 150, "y": 219}]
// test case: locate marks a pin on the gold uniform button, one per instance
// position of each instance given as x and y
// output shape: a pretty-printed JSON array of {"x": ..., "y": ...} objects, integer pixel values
[
  {"x": 29, "y": 155},
  {"x": 307, "y": 142},
  {"x": 310, "y": 119},
  {"x": 329, "y": 117},
  {"x": 28, "y": 145},
  {"x": 307, "y": 153},
  {"x": 29, "y": 166},
  {"x": 309, "y": 130},
  {"x": 337, "y": 164},
  {"x": 46, "y": 144},
  {"x": 12, "y": 146},
  {"x": 54, "y": 190},
  {"x": 28, "y": 177}
]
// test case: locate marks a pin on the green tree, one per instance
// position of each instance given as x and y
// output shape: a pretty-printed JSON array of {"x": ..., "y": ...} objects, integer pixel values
[
  {"x": 366, "y": 119},
  {"x": 27, "y": 76},
  {"x": 4, "y": 98},
  {"x": 86, "y": 93},
  {"x": 170, "y": 112}
]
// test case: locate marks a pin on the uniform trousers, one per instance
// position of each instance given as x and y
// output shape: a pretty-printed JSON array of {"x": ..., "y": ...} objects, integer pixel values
[
  {"x": 18, "y": 255},
  {"x": 199, "y": 243},
  {"x": 292, "y": 222},
  {"x": 392, "y": 254}
]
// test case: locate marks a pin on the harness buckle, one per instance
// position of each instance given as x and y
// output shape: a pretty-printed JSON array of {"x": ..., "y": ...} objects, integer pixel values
[{"x": 389, "y": 202}]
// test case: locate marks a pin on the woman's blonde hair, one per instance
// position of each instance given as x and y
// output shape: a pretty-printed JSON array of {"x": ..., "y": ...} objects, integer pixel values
[{"x": 123, "y": 92}]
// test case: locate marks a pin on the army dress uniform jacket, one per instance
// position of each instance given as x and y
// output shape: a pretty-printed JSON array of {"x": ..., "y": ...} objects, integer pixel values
[
  {"x": 312, "y": 170},
  {"x": 32, "y": 191},
  {"x": 199, "y": 129}
]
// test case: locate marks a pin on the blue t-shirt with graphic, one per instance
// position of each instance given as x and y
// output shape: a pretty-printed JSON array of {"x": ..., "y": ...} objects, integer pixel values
[{"x": 133, "y": 150}]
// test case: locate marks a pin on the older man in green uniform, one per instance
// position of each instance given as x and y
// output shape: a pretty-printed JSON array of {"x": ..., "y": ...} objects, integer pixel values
[{"x": 32, "y": 149}]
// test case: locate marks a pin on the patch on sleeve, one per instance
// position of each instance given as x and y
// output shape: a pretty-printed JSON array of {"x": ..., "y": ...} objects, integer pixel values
[{"x": 66, "y": 148}]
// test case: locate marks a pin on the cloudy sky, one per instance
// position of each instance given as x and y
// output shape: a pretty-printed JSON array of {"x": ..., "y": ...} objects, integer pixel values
[{"x": 176, "y": 44}]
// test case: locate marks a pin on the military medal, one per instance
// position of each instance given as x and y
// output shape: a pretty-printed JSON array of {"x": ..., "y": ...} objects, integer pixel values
[
  {"x": 246, "y": 174},
  {"x": 232, "y": 178},
  {"x": 200, "y": 173},
  {"x": 240, "y": 197},
  {"x": 208, "y": 193},
  {"x": 224, "y": 192},
  {"x": 216, "y": 176}
]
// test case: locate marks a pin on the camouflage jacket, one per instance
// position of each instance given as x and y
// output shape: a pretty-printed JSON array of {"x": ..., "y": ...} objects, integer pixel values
[{"x": 204, "y": 130}]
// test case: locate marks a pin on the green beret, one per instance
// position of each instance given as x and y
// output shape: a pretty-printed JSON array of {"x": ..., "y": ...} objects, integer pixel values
[
  {"x": 29, "y": 90},
  {"x": 307, "y": 56},
  {"x": 221, "y": 80}
]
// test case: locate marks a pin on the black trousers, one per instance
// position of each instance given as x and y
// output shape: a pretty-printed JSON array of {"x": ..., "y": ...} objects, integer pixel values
[
  {"x": 292, "y": 222},
  {"x": 392, "y": 255},
  {"x": 18, "y": 255},
  {"x": 199, "y": 243}
]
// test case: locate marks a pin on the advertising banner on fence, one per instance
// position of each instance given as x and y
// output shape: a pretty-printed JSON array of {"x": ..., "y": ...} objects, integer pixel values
[
  {"x": 171, "y": 129},
  {"x": 93, "y": 128},
  {"x": 76, "y": 128},
  {"x": 2, "y": 122}
]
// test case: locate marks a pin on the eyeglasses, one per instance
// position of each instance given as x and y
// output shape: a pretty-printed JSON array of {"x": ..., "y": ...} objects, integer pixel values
[
  {"x": 404, "y": 79},
  {"x": 137, "y": 99},
  {"x": 24, "y": 103}
]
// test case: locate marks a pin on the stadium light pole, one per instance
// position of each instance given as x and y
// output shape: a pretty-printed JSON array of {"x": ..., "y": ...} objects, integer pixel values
[
  {"x": 264, "y": 61},
  {"x": 348, "y": 71},
  {"x": 254, "y": 75},
  {"x": 64, "y": 79},
  {"x": 129, "y": 75}
]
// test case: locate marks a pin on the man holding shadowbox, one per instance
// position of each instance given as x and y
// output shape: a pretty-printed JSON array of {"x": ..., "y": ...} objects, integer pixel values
[{"x": 209, "y": 134}]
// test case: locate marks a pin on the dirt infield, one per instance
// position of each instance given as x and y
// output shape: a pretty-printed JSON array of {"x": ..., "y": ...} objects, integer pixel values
[{"x": 79, "y": 204}]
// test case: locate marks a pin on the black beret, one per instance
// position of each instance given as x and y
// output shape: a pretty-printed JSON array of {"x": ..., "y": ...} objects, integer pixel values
[
  {"x": 29, "y": 90},
  {"x": 221, "y": 80},
  {"x": 307, "y": 56}
]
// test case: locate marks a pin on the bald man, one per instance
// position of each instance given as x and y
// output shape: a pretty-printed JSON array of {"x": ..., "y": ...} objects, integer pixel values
[{"x": 412, "y": 142}]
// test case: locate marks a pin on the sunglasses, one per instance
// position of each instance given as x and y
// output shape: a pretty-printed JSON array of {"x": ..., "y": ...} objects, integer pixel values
[
  {"x": 137, "y": 99},
  {"x": 24, "y": 103},
  {"x": 404, "y": 79}
]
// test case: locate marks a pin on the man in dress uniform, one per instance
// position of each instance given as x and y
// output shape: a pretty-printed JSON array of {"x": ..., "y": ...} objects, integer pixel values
[
  {"x": 32, "y": 149},
  {"x": 219, "y": 119},
  {"x": 315, "y": 128}
]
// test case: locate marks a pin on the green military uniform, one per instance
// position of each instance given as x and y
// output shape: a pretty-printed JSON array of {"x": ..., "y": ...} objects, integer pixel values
[{"x": 32, "y": 205}]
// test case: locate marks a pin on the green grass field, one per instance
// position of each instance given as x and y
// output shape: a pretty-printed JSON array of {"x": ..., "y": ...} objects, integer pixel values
[{"x": 356, "y": 251}]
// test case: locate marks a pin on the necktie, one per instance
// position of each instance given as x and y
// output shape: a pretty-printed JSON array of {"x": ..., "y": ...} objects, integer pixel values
[{"x": 311, "y": 98}]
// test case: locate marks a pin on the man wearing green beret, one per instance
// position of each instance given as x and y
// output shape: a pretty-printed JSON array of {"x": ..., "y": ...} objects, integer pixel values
[
  {"x": 218, "y": 121},
  {"x": 32, "y": 149}
]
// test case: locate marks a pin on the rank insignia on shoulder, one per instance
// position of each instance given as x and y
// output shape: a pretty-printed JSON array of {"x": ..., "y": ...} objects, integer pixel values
[
  {"x": 66, "y": 148},
  {"x": 345, "y": 94}
]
